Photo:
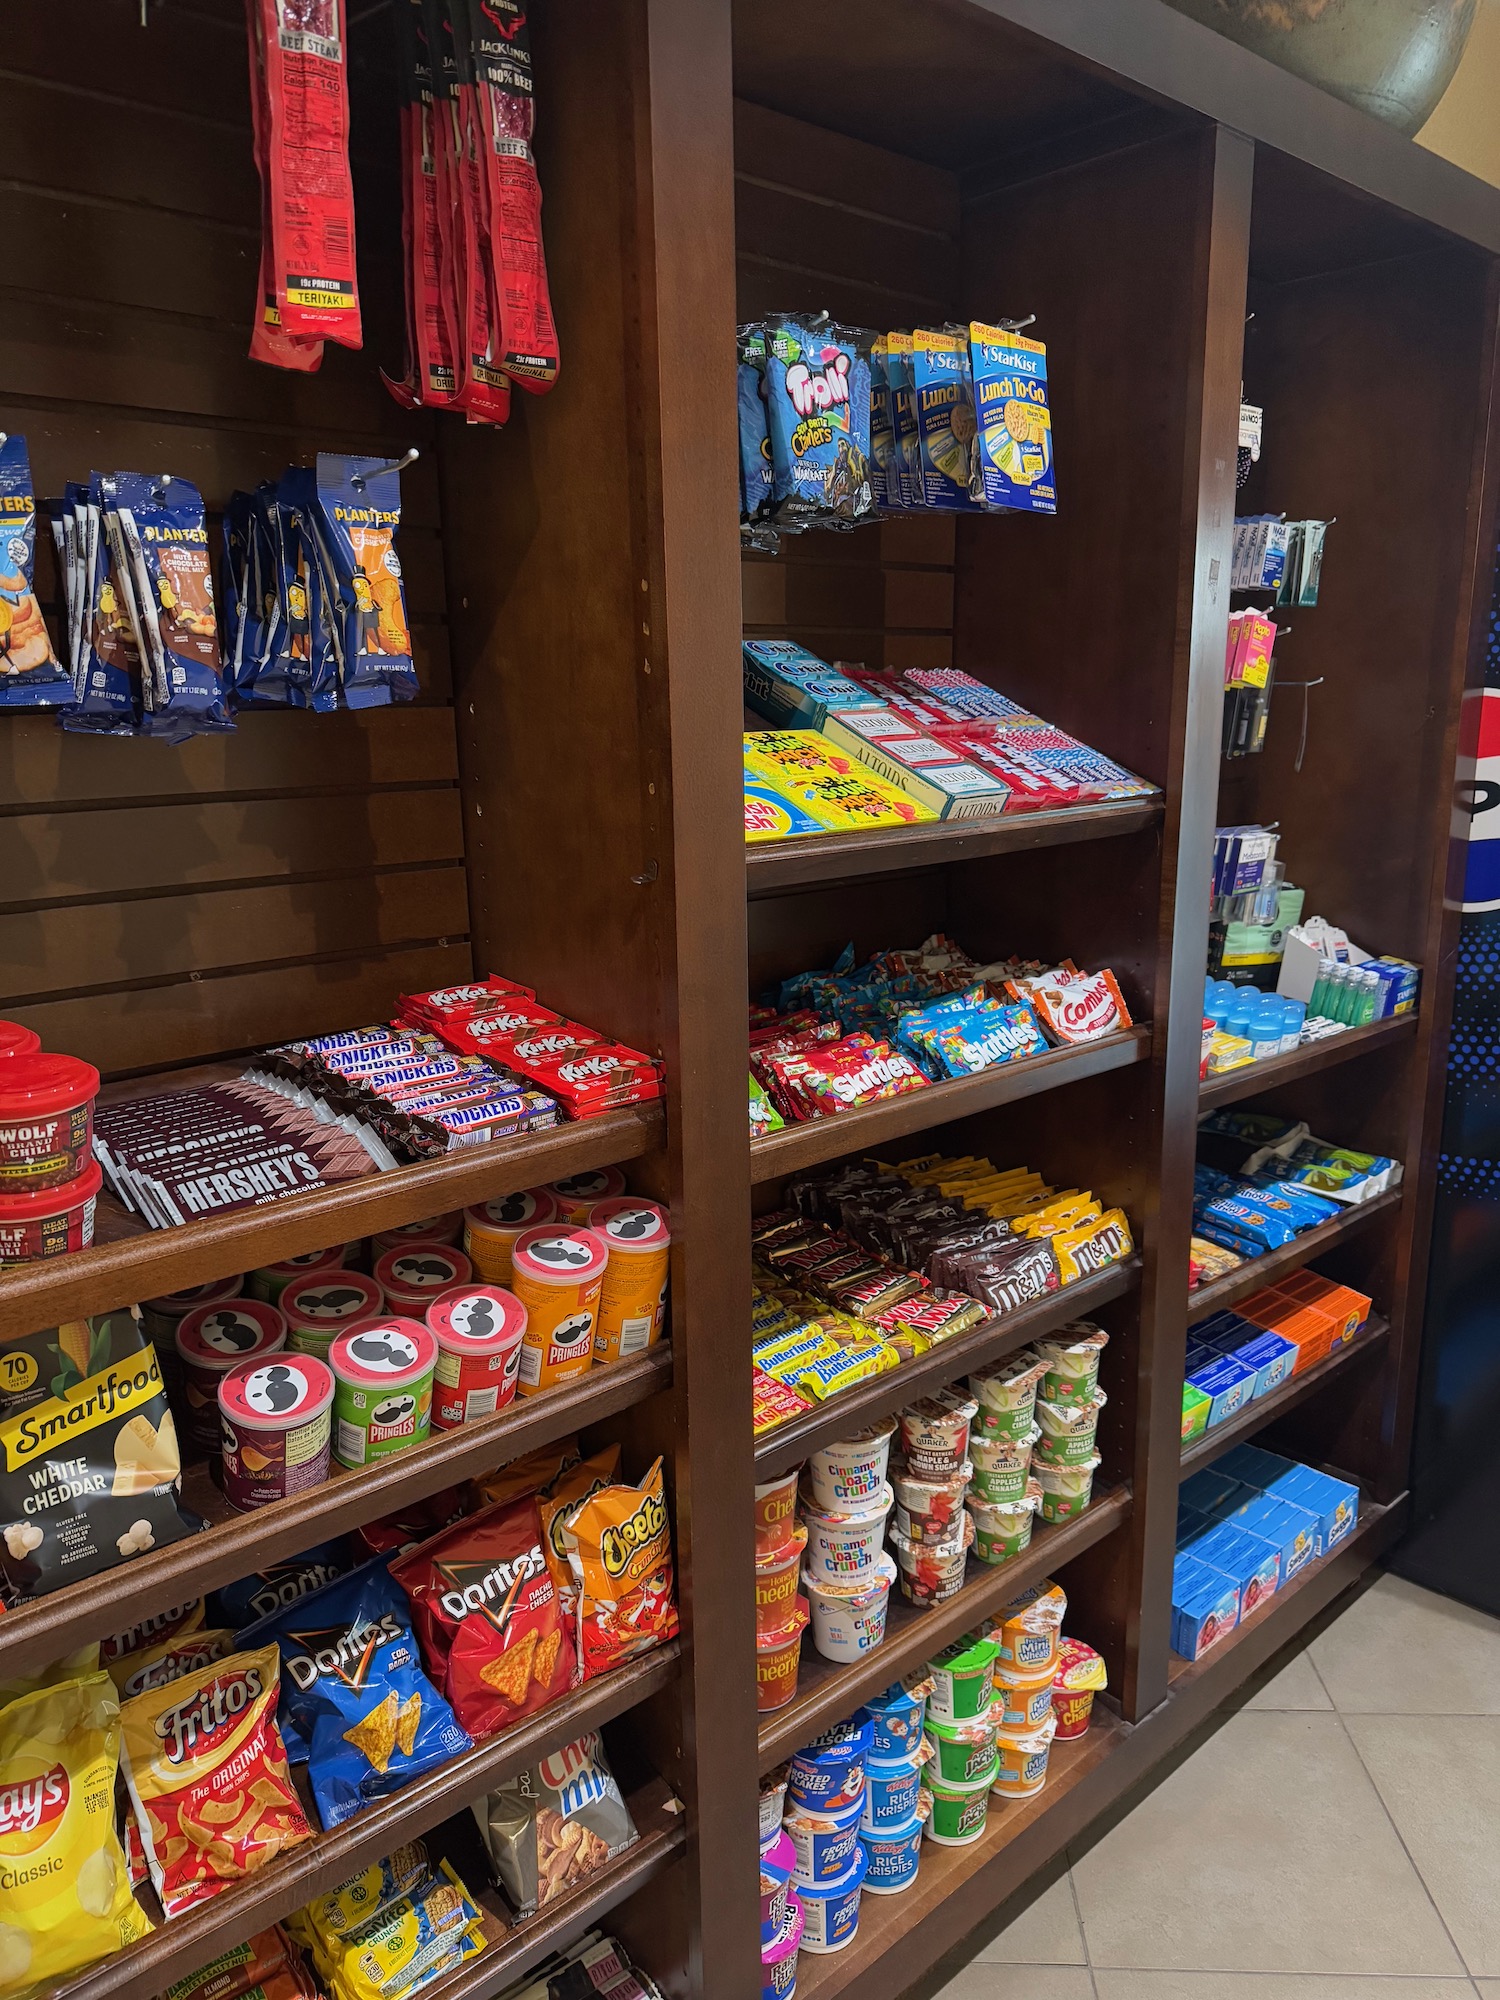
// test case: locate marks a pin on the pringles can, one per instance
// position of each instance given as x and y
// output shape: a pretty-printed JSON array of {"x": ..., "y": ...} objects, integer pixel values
[
  {"x": 382, "y": 1395},
  {"x": 492, "y": 1228},
  {"x": 413, "y": 1277},
  {"x": 210, "y": 1341},
  {"x": 275, "y": 1420},
  {"x": 479, "y": 1330},
  {"x": 436, "y": 1229},
  {"x": 271, "y": 1280},
  {"x": 557, "y": 1274},
  {"x": 633, "y": 1301},
  {"x": 319, "y": 1307},
  {"x": 576, "y": 1194}
]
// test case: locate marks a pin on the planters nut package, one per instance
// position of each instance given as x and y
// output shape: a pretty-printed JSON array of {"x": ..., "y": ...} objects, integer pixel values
[
  {"x": 354, "y": 1699},
  {"x": 486, "y": 1612}
]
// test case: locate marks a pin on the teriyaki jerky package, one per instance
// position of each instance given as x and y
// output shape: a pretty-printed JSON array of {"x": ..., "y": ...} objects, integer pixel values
[
  {"x": 88, "y": 1474},
  {"x": 359, "y": 510},
  {"x": 1012, "y": 463},
  {"x": 945, "y": 417},
  {"x": 817, "y": 391},
  {"x": 431, "y": 331},
  {"x": 483, "y": 392},
  {"x": 269, "y": 342},
  {"x": 553, "y": 1825},
  {"x": 165, "y": 536},
  {"x": 31, "y": 675}
]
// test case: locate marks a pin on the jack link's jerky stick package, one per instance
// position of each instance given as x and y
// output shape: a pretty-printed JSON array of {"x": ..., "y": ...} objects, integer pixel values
[
  {"x": 484, "y": 388},
  {"x": 31, "y": 675},
  {"x": 165, "y": 535},
  {"x": 303, "y": 46},
  {"x": 359, "y": 510},
  {"x": 431, "y": 330},
  {"x": 269, "y": 341}
]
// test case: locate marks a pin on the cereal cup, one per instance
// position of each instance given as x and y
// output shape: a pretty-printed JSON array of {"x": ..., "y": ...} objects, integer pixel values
[
  {"x": 935, "y": 1433},
  {"x": 1026, "y": 1630},
  {"x": 776, "y": 1582},
  {"x": 925, "y": 1577},
  {"x": 1072, "y": 1357},
  {"x": 846, "y": 1476},
  {"x": 210, "y": 1341},
  {"x": 1007, "y": 1397},
  {"x": 382, "y": 1399},
  {"x": 557, "y": 1272},
  {"x": 849, "y": 1621},
  {"x": 1002, "y": 1528},
  {"x": 51, "y": 1221},
  {"x": 776, "y": 1865},
  {"x": 633, "y": 1301},
  {"x": 479, "y": 1330},
  {"x": 930, "y": 1511},
  {"x": 961, "y": 1676},
  {"x": 962, "y": 1752},
  {"x": 830, "y": 1910},
  {"x": 1079, "y": 1677},
  {"x": 1066, "y": 1489},
  {"x": 1067, "y": 1430},
  {"x": 778, "y": 1960},
  {"x": 492, "y": 1229},
  {"x": 823, "y": 1843},
  {"x": 46, "y": 1121},
  {"x": 772, "y": 1806},
  {"x": 842, "y": 1548},
  {"x": 893, "y": 1856},
  {"x": 320, "y": 1305},
  {"x": 1021, "y": 1769},
  {"x": 959, "y": 1812},
  {"x": 775, "y": 1511},
  {"x": 275, "y": 1422},
  {"x": 829, "y": 1773},
  {"x": 777, "y": 1656},
  {"x": 1022, "y": 1701},
  {"x": 896, "y": 1722},
  {"x": 891, "y": 1792}
]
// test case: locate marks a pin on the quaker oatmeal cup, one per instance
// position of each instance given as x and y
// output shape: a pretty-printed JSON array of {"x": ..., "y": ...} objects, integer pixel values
[
  {"x": 930, "y": 1510},
  {"x": 924, "y": 1577},
  {"x": 935, "y": 1433},
  {"x": 1066, "y": 1489},
  {"x": 1007, "y": 1396},
  {"x": 1067, "y": 1429},
  {"x": 1002, "y": 1465},
  {"x": 1072, "y": 1356},
  {"x": 1002, "y": 1528}
]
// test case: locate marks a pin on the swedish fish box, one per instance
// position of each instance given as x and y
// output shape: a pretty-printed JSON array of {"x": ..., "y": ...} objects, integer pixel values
[{"x": 1014, "y": 460}]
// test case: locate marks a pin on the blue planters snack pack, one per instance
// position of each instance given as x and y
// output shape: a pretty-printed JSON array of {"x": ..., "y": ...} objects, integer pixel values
[
  {"x": 354, "y": 1698},
  {"x": 159, "y": 534},
  {"x": 944, "y": 389},
  {"x": 816, "y": 385},
  {"x": 1013, "y": 449},
  {"x": 31, "y": 675},
  {"x": 359, "y": 511}
]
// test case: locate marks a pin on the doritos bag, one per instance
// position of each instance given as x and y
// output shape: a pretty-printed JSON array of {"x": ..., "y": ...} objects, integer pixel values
[
  {"x": 282, "y": 1583},
  {"x": 208, "y": 1778},
  {"x": 64, "y": 1892},
  {"x": 623, "y": 1565},
  {"x": 416, "y": 1522},
  {"x": 488, "y": 1618},
  {"x": 354, "y": 1694}
]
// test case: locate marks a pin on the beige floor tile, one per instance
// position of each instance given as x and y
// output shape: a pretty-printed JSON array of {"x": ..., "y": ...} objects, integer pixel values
[
  {"x": 1402, "y": 1650},
  {"x": 1487, "y": 1989},
  {"x": 1440, "y": 1777},
  {"x": 1045, "y": 1934},
  {"x": 1019, "y": 1982},
  {"x": 1274, "y": 1986},
  {"x": 1226, "y": 1866},
  {"x": 1296, "y": 1687}
]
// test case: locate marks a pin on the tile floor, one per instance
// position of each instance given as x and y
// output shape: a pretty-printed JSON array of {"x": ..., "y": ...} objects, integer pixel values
[{"x": 1337, "y": 1839}]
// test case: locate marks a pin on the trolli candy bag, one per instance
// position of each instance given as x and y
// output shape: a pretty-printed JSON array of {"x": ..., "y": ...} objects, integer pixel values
[
  {"x": 817, "y": 390},
  {"x": 31, "y": 675},
  {"x": 359, "y": 510}
]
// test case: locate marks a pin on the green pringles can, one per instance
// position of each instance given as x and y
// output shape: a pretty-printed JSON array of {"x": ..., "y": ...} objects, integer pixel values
[{"x": 382, "y": 1396}]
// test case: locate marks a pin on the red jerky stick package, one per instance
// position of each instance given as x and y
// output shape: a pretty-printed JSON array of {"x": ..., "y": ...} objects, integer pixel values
[
  {"x": 483, "y": 390},
  {"x": 431, "y": 332},
  {"x": 268, "y": 342},
  {"x": 487, "y": 1616},
  {"x": 309, "y": 194}
]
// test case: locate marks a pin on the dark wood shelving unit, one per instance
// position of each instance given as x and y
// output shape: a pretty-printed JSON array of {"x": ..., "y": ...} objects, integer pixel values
[
  {"x": 1255, "y": 1416},
  {"x": 561, "y": 804},
  {"x": 1253, "y": 1078},
  {"x": 800, "y": 1146}
]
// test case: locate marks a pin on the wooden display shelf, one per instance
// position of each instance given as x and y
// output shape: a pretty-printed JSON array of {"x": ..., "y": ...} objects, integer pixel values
[
  {"x": 949, "y": 1361},
  {"x": 1252, "y": 1078},
  {"x": 129, "y": 1262},
  {"x": 174, "y": 1950},
  {"x": 1260, "y": 1271},
  {"x": 1254, "y": 1416},
  {"x": 828, "y": 1689},
  {"x": 38, "y": 1632},
  {"x": 774, "y": 865},
  {"x": 817, "y": 1139}
]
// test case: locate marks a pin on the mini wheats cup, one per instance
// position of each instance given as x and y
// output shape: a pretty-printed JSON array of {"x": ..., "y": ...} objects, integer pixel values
[
  {"x": 633, "y": 1301},
  {"x": 558, "y": 1275}
]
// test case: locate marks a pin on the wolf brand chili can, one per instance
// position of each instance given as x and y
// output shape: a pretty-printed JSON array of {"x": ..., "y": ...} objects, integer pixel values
[
  {"x": 479, "y": 1330},
  {"x": 491, "y": 1229},
  {"x": 633, "y": 1301},
  {"x": 18, "y": 1041},
  {"x": 51, "y": 1221},
  {"x": 322, "y": 1305},
  {"x": 274, "y": 1416},
  {"x": 210, "y": 1341},
  {"x": 382, "y": 1397},
  {"x": 412, "y": 1278},
  {"x": 46, "y": 1120},
  {"x": 271, "y": 1280},
  {"x": 576, "y": 1194},
  {"x": 558, "y": 1273}
]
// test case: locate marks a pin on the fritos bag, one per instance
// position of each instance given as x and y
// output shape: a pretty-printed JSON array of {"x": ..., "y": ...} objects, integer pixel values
[
  {"x": 208, "y": 1778},
  {"x": 622, "y": 1561},
  {"x": 64, "y": 1892},
  {"x": 168, "y": 1660},
  {"x": 486, "y": 1613}
]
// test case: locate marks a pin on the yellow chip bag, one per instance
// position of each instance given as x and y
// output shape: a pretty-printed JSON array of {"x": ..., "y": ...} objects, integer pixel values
[
  {"x": 64, "y": 1894},
  {"x": 71, "y": 1667}
]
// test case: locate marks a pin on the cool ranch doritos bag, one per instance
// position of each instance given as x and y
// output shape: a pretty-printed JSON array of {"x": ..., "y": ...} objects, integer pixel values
[
  {"x": 354, "y": 1699},
  {"x": 487, "y": 1615},
  {"x": 31, "y": 675}
]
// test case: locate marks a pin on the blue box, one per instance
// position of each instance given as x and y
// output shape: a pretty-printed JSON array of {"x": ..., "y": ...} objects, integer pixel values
[
  {"x": 1206, "y": 1488},
  {"x": 1199, "y": 1355},
  {"x": 1205, "y": 1606},
  {"x": 1190, "y": 1524},
  {"x": 793, "y": 688},
  {"x": 1294, "y": 1529},
  {"x": 1224, "y": 1332},
  {"x": 1255, "y": 1565},
  {"x": 1254, "y": 1467},
  {"x": 1334, "y": 1502},
  {"x": 1227, "y": 1383},
  {"x": 1273, "y": 1359}
]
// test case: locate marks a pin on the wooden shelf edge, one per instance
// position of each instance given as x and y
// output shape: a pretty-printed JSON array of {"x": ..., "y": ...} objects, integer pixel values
[
  {"x": 883, "y": 1395},
  {"x": 1265, "y": 1410},
  {"x": 772, "y": 866},
  {"x": 191, "y": 1940},
  {"x": 1260, "y": 1271},
  {"x": 1253, "y": 1078},
  {"x": 812, "y": 1142},
  {"x": 153, "y": 1262},
  {"x": 831, "y": 1691},
  {"x": 34, "y": 1634}
]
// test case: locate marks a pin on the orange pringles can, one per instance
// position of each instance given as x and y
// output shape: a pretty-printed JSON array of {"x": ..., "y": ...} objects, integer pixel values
[
  {"x": 557, "y": 1272},
  {"x": 576, "y": 1195},
  {"x": 633, "y": 1303},
  {"x": 493, "y": 1228}
]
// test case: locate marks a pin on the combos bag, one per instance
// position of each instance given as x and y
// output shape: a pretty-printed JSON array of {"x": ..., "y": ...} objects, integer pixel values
[
  {"x": 208, "y": 1779},
  {"x": 554, "y": 1824},
  {"x": 359, "y": 511},
  {"x": 621, "y": 1556},
  {"x": 64, "y": 1892},
  {"x": 487, "y": 1615},
  {"x": 354, "y": 1694},
  {"x": 31, "y": 675},
  {"x": 89, "y": 1478}
]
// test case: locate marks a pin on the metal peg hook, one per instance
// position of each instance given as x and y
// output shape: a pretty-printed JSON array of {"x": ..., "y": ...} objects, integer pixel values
[
  {"x": 357, "y": 480},
  {"x": 1016, "y": 325},
  {"x": 1306, "y": 698}
]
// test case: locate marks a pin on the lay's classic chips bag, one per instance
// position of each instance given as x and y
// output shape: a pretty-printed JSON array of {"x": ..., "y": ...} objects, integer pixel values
[{"x": 64, "y": 1895}]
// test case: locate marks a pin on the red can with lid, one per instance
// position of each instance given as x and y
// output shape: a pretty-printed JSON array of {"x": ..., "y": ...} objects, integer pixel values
[
  {"x": 51, "y": 1221},
  {"x": 436, "y": 1229},
  {"x": 479, "y": 1330},
  {"x": 413, "y": 1277},
  {"x": 276, "y": 1416},
  {"x": 210, "y": 1341},
  {"x": 18, "y": 1041},
  {"x": 46, "y": 1119},
  {"x": 323, "y": 1304}
]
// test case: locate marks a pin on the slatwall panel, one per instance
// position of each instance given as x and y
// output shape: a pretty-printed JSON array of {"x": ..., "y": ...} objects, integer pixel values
[
  {"x": 165, "y": 905},
  {"x": 824, "y": 221}
]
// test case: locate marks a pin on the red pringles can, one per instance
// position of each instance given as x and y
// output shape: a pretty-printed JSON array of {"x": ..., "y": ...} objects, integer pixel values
[{"x": 479, "y": 1330}]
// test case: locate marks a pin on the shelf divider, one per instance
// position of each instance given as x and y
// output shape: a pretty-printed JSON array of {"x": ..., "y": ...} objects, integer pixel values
[{"x": 1260, "y": 1271}]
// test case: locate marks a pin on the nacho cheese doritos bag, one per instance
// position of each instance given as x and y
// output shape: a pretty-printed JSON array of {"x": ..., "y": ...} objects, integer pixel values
[
  {"x": 208, "y": 1779},
  {"x": 64, "y": 1893},
  {"x": 622, "y": 1561}
]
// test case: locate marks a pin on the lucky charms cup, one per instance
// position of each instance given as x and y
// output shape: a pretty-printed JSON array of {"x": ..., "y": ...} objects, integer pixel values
[
  {"x": 1072, "y": 1356},
  {"x": 1007, "y": 1397},
  {"x": 935, "y": 1433},
  {"x": 1079, "y": 1677},
  {"x": 848, "y": 1475}
]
